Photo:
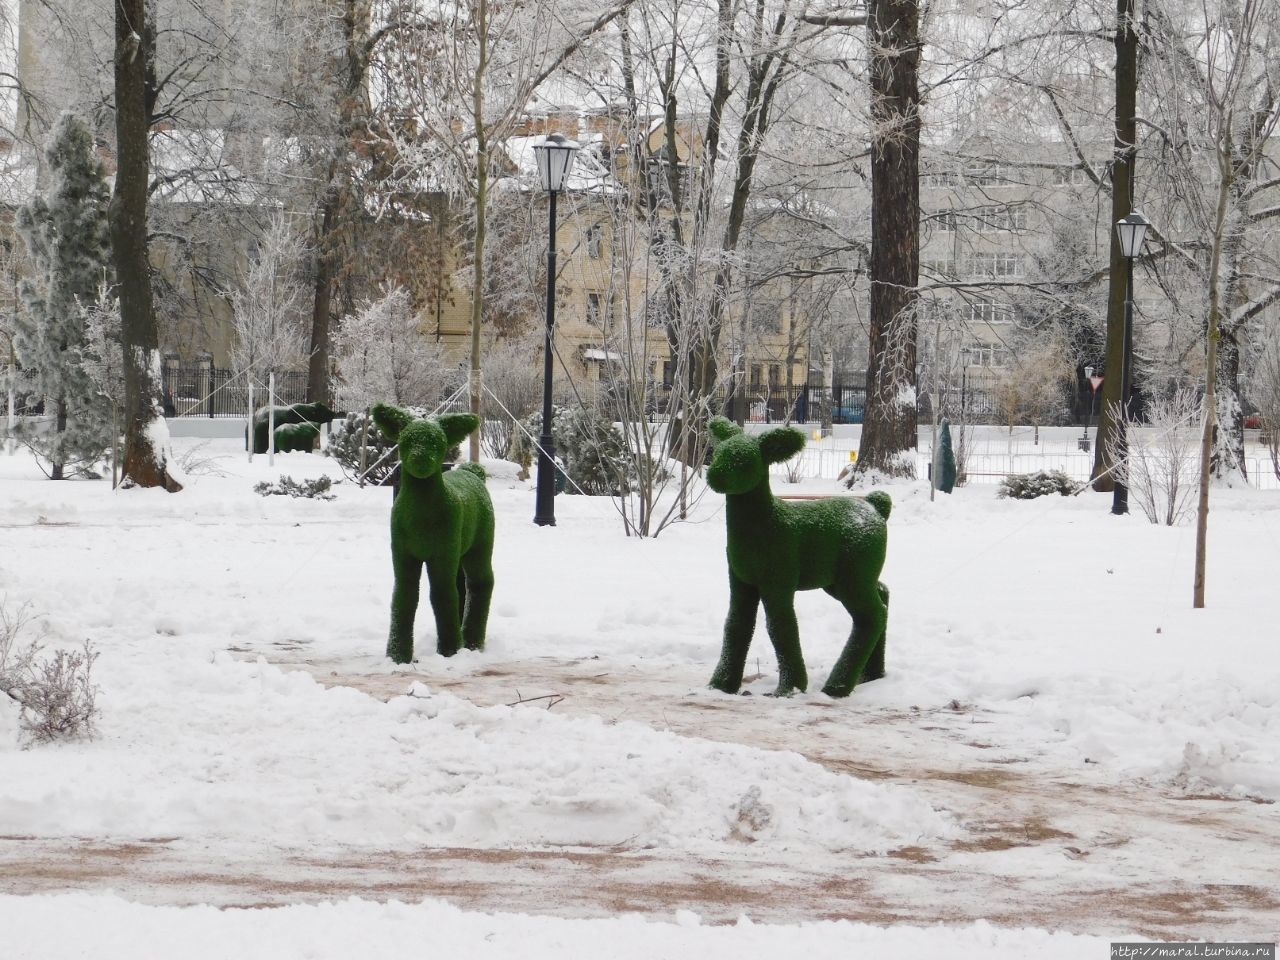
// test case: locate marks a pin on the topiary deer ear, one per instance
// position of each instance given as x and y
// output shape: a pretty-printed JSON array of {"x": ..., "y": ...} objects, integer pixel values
[
  {"x": 781, "y": 444},
  {"x": 458, "y": 426},
  {"x": 722, "y": 428},
  {"x": 391, "y": 420}
]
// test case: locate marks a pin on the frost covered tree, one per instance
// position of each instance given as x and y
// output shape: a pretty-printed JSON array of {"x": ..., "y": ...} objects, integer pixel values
[
  {"x": 269, "y": 304},
  {"x": 66, "y": 234},
  {"x": 105, "y": 359},
  {"x": 470, "y": 78},
  {"x": 383, "y": 356}
]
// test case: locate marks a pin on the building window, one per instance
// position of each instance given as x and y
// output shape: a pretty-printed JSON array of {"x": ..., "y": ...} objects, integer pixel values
[
  {"x": 983, "y": 355},
  {"x": 1000, "y": 217},
  {"x": 941, "y": 178},
  {"x": 595, "y": 241},
  {"x": 1076, "y": 176},
  {"x": 941, "y": 266},
  {"x": 994, "y": 265},
  {"x": 985, "y": 175},
  {"x": 1008, "y": 265},
  {"x": 595, "y": 309},
  {"x": 945, "y": 220},
  {"x": 984, "y": 311}
]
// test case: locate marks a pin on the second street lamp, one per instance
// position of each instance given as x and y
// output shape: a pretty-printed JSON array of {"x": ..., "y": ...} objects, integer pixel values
[
  {"x": 1132, "y": 233},
  {"x": 555, "y": 159}
]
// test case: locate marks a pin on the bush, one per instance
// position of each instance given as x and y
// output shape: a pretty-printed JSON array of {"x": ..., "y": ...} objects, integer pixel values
[
  {"x": 347, "y": 439},
  {"x": 1028, "y": 486},
  {"x": 54, "y": 692},
  {"x": 286, "y": 486},
  {"x": 589, "y": 446},
  {"x": 381, "y": 459}
]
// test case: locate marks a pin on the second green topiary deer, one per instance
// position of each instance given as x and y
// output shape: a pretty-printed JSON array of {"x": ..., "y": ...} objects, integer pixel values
[
  {"x": 776, "y": 548},
  {"x": 443, "y": 521}
]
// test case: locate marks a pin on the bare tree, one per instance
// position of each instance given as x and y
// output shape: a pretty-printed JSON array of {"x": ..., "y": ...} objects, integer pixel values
[
  {"x": 1158, "y": 461},
  {"x": 269, "y": 304}
]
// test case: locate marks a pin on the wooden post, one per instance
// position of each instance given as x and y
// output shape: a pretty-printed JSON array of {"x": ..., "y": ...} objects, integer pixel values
[{"x": 249, "y": 427}]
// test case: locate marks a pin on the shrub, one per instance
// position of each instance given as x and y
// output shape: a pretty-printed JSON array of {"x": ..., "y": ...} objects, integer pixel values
[
  {"x": 357, "y": 432},
  {"x": 55, "y": 693},
  {"x": 590, "y": 447},
  {"x": 1028, "y": 486},
  {"x": 381, "y": 461},
  {"x": 286, "y": 486},
  {"x": 946, "y": 460}
]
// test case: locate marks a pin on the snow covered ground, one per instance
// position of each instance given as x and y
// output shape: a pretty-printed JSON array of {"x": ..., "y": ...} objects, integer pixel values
[{"x": 1062, "y": 743}]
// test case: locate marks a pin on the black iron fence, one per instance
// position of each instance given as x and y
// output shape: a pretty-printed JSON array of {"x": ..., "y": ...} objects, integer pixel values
[{"x": 202, "y": 390}]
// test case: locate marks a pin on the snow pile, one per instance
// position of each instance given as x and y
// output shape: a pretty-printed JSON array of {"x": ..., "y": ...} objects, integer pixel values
[{"x": 192, "y": 747}]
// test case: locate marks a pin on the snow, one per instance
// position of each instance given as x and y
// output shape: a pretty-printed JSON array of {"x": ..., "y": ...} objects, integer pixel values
[
  {"x": 114, "y": 929},
  {"x": 252, "y": 729}
]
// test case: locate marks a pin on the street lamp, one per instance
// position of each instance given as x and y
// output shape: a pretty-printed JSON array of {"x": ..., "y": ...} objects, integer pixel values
[
  {"x": 555, "y": 159},
  {"x": 1132, "y": 233}
]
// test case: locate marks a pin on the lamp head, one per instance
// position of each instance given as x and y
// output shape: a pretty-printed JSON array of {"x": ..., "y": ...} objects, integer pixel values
[
  {"x": 555, "y": 159},
  {"x": 1132, "y": 231}
]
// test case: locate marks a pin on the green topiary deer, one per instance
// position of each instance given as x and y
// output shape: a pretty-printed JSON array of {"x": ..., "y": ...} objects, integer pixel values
[
  {"x": 313, "y": 413},
  {"x": 296, "y": 436},
  {"x": 445, "y": 521},
  {"x": 776, "y": 548}
]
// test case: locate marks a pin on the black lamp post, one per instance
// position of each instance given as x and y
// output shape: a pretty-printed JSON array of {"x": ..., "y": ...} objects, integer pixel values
[
  {"x": 555, "y": 160},
  {"x": 1132, "y": 232}
]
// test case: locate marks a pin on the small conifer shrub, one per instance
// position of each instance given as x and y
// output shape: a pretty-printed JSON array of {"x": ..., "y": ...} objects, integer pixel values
[{"x": 1028, "y": 486}]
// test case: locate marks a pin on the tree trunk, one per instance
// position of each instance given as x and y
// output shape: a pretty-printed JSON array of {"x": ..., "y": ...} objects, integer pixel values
[
  {"x": 1122, "y": 190},
  {"x": 889, "y": 422},
  {"x": 59, "y": 426},
  {"x": 1228, "y": 439},
  {"x": 144, "y": 463},
  {"x": 355, "y": 64},
  {"x": 321, "y": 312}
]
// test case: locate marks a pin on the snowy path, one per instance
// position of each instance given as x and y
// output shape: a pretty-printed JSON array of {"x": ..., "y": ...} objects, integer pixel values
[{"x": 1050, "y": 848}]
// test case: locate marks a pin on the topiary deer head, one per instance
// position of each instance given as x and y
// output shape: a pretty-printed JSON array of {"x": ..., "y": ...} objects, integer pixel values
[{"x": 423, "y": 443}]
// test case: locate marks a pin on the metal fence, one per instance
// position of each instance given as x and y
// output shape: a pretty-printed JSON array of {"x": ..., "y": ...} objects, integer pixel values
[
  {"x": 206, "y": 391},
  {"x": 971, "y": 399},
  {"x": 806, "y": 403}
]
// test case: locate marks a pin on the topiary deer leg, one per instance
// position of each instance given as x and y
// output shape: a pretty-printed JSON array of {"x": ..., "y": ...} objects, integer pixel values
[
  {"x": 869, "y": 618},
  {"x": 443, "y": 578},
  {"x": 475, "y": 615},
  {"x": 780, "y": 618},
  {"x": 404, "y": 605},
  {"x": 739, "y": 626},
  {"x": 874, "y": 670}
]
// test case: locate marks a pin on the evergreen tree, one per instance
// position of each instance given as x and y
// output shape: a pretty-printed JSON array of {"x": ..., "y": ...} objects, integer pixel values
[
  {"x": 66, "y": 234},
  {"x": 946, "y": 461}
]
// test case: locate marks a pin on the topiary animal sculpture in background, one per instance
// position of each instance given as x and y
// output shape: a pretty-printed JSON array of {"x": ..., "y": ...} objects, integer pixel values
[
  {"x": 296, "y": 436},
  {"x": 313, "y": 413},
  {"x": 445, "y": 521},
  {"x": 776, "y": 548}
]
